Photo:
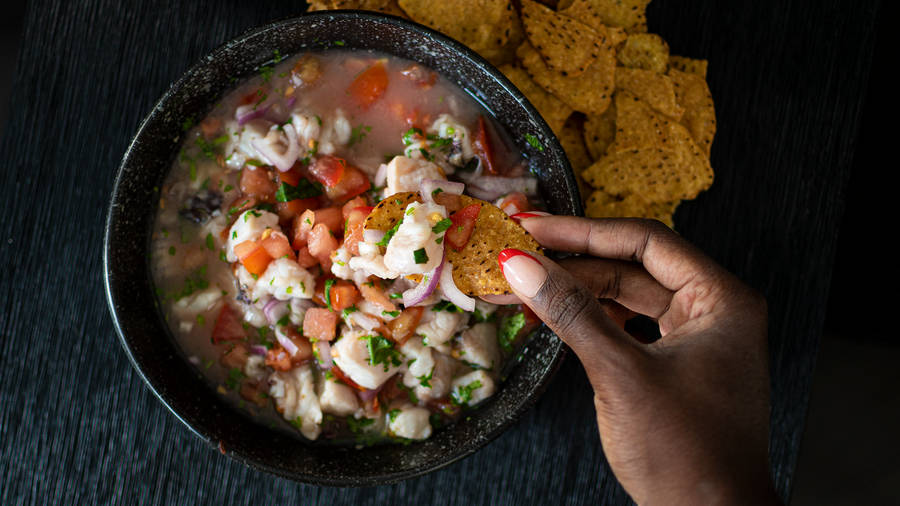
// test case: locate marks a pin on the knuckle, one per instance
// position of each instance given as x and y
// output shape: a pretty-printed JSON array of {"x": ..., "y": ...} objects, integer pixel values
[{"x": 569, "y": 303}]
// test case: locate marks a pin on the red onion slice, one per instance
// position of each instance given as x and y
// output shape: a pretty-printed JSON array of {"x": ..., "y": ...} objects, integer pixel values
[
  {"x": 420, "y": 292},
  {"x": 258, "y": 349},
  {"x": 275, "y": 310},
  {"x": 247, "y": 113},
  {"x": 428, "y": 186},
  {"x": 323, "y": 350},
  {"x": 282, "y": 161},
  {"x": 369, "y": 393},
  {"x": 286, "y": 342},
  {"x": 452, "y": 293}
]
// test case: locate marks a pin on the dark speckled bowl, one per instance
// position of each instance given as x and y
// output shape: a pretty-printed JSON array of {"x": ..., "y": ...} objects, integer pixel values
[{"x": 149, "y": 343}]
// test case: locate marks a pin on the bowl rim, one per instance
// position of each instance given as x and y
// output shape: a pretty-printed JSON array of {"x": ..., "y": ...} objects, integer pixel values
[{"x": 152, "y": 381}]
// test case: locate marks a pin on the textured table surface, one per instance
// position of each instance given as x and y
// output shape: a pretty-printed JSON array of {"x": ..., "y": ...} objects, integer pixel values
[{"x": 77, "y": 425}]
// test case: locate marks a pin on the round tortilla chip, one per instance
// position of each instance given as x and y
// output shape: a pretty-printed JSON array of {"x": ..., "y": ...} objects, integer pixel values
[
  {"x": 567, "y": 45},
  {"x": 475, "y": 268}
]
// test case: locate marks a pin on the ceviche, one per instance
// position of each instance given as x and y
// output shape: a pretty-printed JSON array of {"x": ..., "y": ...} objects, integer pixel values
[{"x": 280, "y": 294}]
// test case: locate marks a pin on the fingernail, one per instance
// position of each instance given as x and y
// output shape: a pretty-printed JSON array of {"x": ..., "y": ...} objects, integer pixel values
[
  {"x": 523, "y": 272},
  {"x": 528, "y": 214}
]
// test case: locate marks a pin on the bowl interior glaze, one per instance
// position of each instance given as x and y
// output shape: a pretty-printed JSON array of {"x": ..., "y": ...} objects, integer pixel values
[{"x": 130, "y": 293}]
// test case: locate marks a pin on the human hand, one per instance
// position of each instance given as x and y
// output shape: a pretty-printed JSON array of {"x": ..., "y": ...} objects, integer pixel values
[{"x": 682, "y": 420}]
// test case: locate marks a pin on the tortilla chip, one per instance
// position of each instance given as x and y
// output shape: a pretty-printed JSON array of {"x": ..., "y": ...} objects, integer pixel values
[
  {"x": 480, "y": 24},
  {"x": 692, "y": 93},
  {"x": 566, "y": 45},
  {"x": 689, "y": 65},
  {"x": 475, "y": 269},
  {"x": 553, "y": 110},
  {"x": 600, "y": 132},
  {"x": 652, "y": 156},
  {"x": 655, "y": 89},
  {"x": 605, "y": 205},
  {"x": 571, "y": 137},
  {"x": 383, "y": 6},
  {"x": 589, "y": 92},
  {"x": 645, "y": 51},
  {"x": 627, "y": 14},
  {"x": 506, "y": 53}
]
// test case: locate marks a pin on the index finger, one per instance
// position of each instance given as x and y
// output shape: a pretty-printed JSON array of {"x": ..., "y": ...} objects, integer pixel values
[{"x": 668, "y": 257}]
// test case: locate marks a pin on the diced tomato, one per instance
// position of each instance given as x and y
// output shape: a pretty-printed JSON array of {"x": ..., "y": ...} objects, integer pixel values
[
  {"x": 277, "y": 245},
  {"x": 301, "y": 228},
  {"x": 369, "y": 85},
  {"x": 257, "y": 182},
  {"x": 321, "y": 243},
  {"x": 277, "y": 358},
  {"x": 254, "y": 96},
  {"x": 343, "y": 378},
  {"x": 328, "y": 170},
  {"x": 304, "y": 259},
  {"x": 291, "y": 176},
  {"x": 450, "y": 201},
  {"x": 319, "y": 323},
  {"x": 353, "y": 232},
  {"x": 483, "y": 149},
  {"x": 355, "y": 182},
  {"x": 304, "y": 347},
  {"x": 287, "y": 211},
  {"x": 353, "y": 204},
  {"x": 515, "y": 202},
  {"x": 376, "y": 296},
  {"x": 457, "y": 236},
  {"x": 404, "y": 326},
  {"x": 228, "y": 326},
  {"x": 342, "y": 295},
  {"x": 236, "y": 357},
  {"x": 332, "y": 217},
  {"x": 253, "y": 257}
]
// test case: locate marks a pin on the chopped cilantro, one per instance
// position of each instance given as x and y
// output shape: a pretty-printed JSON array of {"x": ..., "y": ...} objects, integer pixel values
[
  {"x": 390, "y": 233},
  {"x": 420, "y": 256},
  {"x": 408, "y": 136},
  {"x": 392, "y": 414},
  {"x": 463, "y": 394},
  {"x": 424, "y": 380},
  {"x": 304, "y": 190},
  {"x": 382, "y": 351},
  {"x": 509, "y": 329},
  {"x": 328, "y": 284},
  {"x": 348, "y": 311},
  {"x": 396, "y": 296},
  {"x": 234, "y": 378},
  {"x": 535, "y": 143},
  {"x": 210, "y": 242},
  {"x": 446, "y": 305},
  {"x": 442, "y": 225},
  {"x": 392, "y": 314}
]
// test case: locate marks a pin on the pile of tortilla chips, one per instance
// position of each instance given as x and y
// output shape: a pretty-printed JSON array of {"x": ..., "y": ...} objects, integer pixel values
[{"x": 636, "y": 122}]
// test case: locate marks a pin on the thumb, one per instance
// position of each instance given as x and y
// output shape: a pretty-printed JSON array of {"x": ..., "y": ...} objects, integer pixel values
[{"x": 568, "y": 307}]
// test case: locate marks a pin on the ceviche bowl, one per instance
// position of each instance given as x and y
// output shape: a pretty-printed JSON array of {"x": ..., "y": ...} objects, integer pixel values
[{"x": 135, "y": 201}]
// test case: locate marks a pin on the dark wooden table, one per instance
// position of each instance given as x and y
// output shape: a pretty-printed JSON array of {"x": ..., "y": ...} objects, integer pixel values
[{"x": 77, "y": 425}]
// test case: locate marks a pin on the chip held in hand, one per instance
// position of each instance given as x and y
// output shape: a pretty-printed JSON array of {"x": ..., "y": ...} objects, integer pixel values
[{"x": 474, "y": 258}]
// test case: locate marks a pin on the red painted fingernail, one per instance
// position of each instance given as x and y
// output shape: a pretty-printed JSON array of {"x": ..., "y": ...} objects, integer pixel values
[
  {"x": 524, "y": 276},
  {"x": 528, "y": 214}
]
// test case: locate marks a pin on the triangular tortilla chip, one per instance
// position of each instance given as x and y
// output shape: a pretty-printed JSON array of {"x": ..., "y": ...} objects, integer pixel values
[
  {"x": 655, "y": 89},
  {"x": 566, "y": 45},
  {"x": 627, "y": 14},
  {"x": 645, "y": 51},
  {"x": 589, "y": 92},
  {"x": 692, "y": 93},
  {"x": 479, "y": 24}
]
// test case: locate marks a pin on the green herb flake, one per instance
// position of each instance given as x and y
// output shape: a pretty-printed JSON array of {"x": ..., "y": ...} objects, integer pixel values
[
  {"x": 392, "y": 314},
  {"x": 509, "y": 329},
  {"x": 235, "y": 376},
  {"x": 442, "y": 225},
  {"x": 535, "y": 143},
  {"x": 210, "y": 242},
  {"x": 463, "y": 395},
  {"x": 382, "y": 351},
  {"x": 420, "y": 256},
  {"x": 328, "y": 284},
  {"x": 392, "y": 414}
]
